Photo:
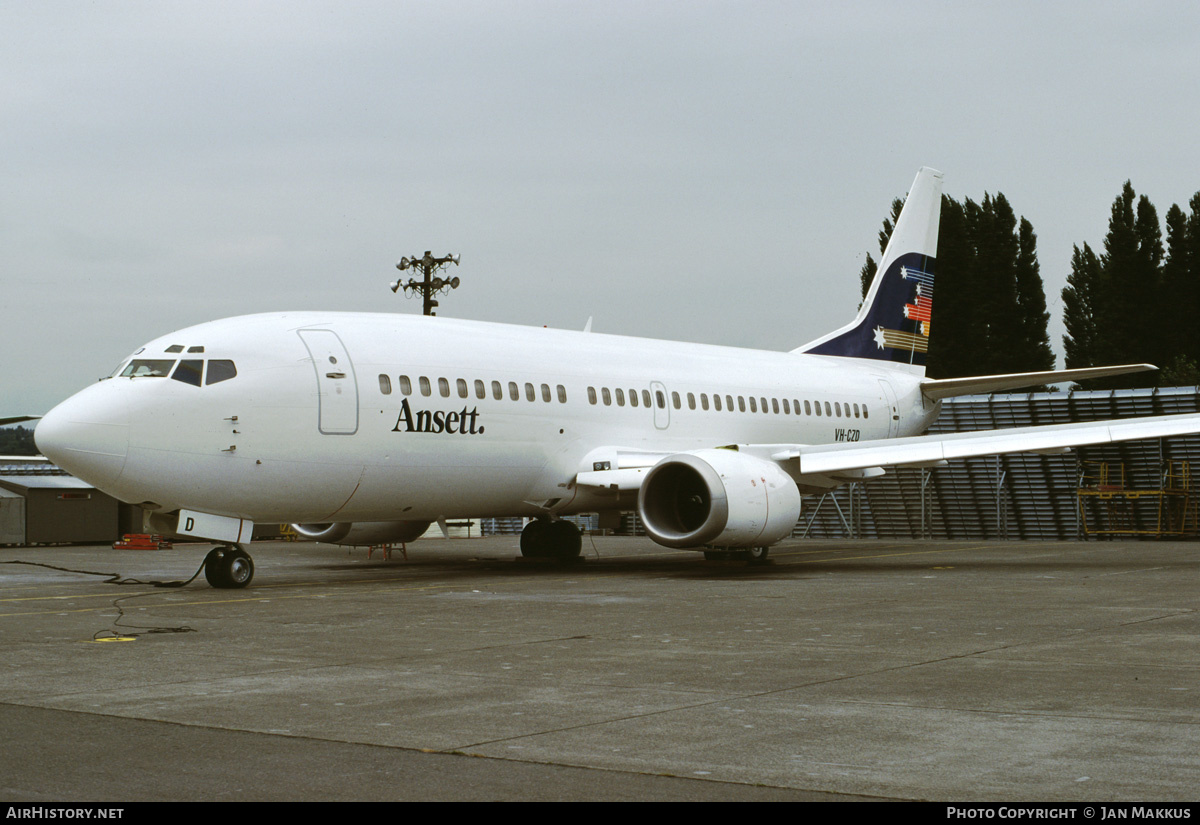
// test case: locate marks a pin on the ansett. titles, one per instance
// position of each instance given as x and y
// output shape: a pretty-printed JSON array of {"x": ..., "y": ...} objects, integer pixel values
[{"x": 462, "y": 422}]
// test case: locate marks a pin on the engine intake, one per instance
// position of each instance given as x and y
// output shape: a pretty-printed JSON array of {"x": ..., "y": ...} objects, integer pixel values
[{"x": 721, "y": 498}]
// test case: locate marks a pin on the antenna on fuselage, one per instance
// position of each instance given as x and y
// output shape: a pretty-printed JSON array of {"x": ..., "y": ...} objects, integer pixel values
[{"x": 430, "y": 285}]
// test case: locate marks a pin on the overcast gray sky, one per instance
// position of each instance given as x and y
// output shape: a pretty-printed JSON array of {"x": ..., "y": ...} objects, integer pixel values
[{"x": 703, "y": 171}]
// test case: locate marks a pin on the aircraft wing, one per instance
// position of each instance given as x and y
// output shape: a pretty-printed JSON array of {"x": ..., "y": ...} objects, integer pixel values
[
  {"x": 17, "y": 419},
  {"x": 624, "y": 470},
  {"x": 823, "y": 459}
]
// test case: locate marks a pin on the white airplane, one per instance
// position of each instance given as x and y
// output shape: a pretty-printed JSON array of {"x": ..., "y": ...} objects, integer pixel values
[{"x": 364, "y": 428}]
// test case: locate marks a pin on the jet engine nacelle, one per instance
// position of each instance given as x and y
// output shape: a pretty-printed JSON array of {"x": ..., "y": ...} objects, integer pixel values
[
  {"x": 721, "y": 498},
  {"x": 363, "y": 532}
]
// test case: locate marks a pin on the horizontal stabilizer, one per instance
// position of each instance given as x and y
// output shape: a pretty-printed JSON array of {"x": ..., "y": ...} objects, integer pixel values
[
  {"x": 17, "y": 419},
  {"x": 939, "y": 388}
]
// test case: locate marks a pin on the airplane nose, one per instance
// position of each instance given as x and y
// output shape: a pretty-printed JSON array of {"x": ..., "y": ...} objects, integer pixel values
[{"x": 87, "y": 435}]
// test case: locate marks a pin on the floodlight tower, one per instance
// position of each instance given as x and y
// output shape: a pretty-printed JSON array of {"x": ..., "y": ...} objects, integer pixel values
[{"x": 430, "y": 285}]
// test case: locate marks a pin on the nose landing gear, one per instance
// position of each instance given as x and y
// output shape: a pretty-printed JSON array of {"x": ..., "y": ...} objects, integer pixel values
[{"x": 228, "y": 567}]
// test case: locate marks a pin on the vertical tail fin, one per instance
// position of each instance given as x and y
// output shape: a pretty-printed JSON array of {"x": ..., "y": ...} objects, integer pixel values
[{"x": 894, "y": 321}]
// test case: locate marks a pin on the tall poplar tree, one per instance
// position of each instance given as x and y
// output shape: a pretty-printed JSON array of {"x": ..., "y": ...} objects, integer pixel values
[
  {"x": 1138, "y": 302},
  {"x": 1080, "y": 297}
]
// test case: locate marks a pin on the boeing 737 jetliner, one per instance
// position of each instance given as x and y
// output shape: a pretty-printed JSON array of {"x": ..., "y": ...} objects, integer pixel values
[{"x": 366, "y": 428}]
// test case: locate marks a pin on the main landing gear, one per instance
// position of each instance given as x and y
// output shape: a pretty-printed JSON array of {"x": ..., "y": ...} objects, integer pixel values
[
  {"x": 752, "y": 555},
  {"x": 545, "y": 539},
  {"x": 228, "y": 567}
]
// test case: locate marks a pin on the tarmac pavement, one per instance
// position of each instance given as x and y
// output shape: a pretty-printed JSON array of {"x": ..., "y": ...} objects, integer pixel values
[{"x": 983, "y": 671}]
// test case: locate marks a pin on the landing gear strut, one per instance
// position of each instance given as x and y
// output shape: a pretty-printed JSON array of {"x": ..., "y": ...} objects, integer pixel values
[
  {"x": 757, "y": 555},
  {"x": 544, "y": 539},
  {"x": 752, "y": 555},
  {"x": 228, "y": 567}
]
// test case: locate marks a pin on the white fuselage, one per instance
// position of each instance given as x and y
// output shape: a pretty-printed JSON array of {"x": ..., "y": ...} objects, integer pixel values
[{"x": 317, "y": 425}]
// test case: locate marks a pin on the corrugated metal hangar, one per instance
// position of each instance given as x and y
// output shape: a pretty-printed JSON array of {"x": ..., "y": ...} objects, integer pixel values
[
  {"x": 54, "y": 509},
  {"x": 1133, "y": 489}
]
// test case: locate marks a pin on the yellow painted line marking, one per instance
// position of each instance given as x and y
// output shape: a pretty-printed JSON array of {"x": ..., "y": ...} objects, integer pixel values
[
  {"x": 51, "y": 598},
  {"x": 882, "y": 555},
  {"x": 203, "y": 602}
]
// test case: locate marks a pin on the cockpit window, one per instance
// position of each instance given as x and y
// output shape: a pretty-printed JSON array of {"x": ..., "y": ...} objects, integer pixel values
[
  {"x": 174, "y": 348},
  {"x": 148, "y": 368},
  {"x": 188, "y": 372},
  {"x": 219, "y": 371}
]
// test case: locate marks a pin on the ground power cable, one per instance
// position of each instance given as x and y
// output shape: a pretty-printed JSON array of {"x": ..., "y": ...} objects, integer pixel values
[{"x": 115, "y": 578}]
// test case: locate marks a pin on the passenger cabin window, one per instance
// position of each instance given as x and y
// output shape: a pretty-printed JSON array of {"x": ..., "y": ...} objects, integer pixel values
[
  {"x": 405, "y": 385},
  {"x": 480, "y": 389},
  {"x": 620, "y": 398},
  {"x": 591, "y": 395},
  {"x": 675, "y": 401},
  {"x": 189, "y": 372},
  {"x": 218, "y": 371},
  {"x": 497, "y": 391},
  {"x": 385, "y": 384},
  {"x": 425, "y": 388},
  {"x": 444, "y": 387},
  {"x": 546, "y": 393},
  {"x": 514, "y": 392},
  {"x": 461, "y": 384},
  {"x": 633, "y": 398},
  {"x": 530, "y": 395},
  {"x": 607, "y": 396},
  {"x": 562, "y": 394},
  {"x": 148, "y": 368}
]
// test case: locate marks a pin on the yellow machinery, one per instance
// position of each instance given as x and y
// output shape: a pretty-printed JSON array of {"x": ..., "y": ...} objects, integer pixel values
[{"x": 1113, "y": 503}]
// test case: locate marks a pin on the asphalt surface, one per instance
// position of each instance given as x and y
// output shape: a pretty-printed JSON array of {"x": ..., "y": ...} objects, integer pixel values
[{"x": 845, "y": 670}]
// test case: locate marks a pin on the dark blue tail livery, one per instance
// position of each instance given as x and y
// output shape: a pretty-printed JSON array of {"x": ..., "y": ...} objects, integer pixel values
[{"x": 894, "y": 321}]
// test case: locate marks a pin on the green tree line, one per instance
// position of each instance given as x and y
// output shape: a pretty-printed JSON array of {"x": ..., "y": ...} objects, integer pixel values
[
  {"x": 1138, "y": 301},
  {"x": 17, "y": 441}
]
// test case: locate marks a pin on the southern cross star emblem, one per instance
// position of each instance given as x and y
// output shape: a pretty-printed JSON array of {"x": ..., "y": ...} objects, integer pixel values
[{"x": 879, "y": 336}]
